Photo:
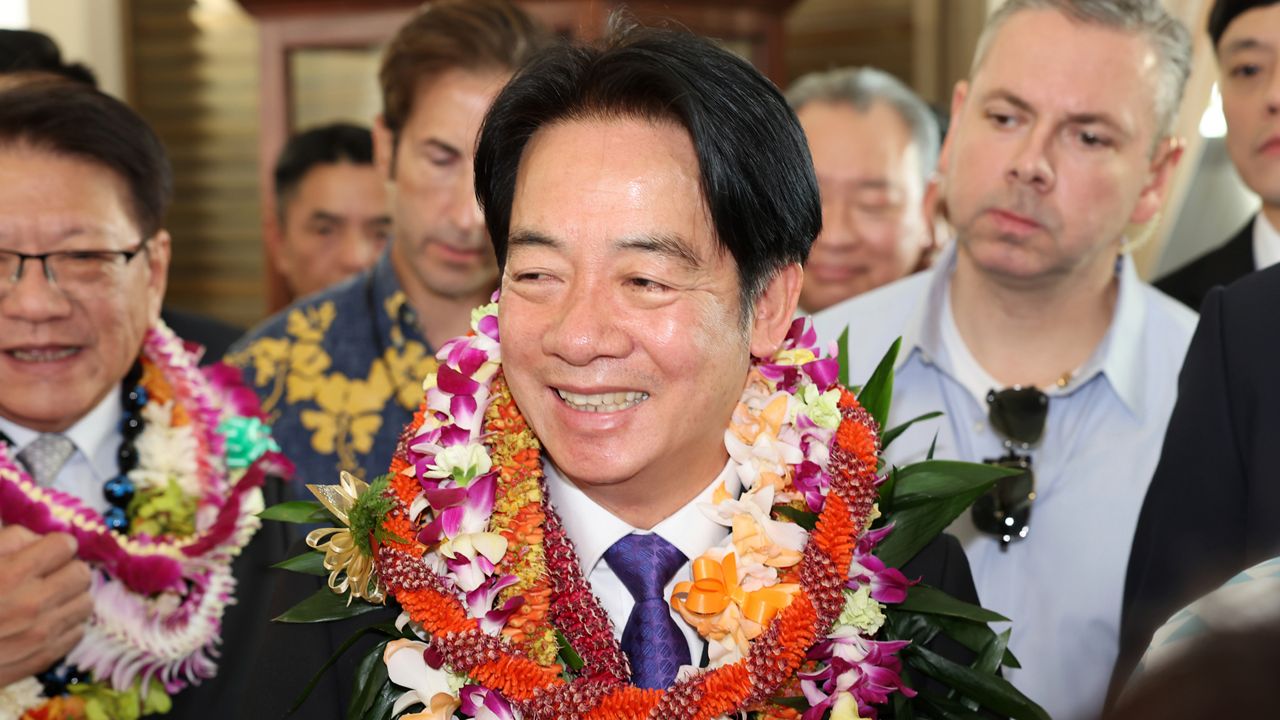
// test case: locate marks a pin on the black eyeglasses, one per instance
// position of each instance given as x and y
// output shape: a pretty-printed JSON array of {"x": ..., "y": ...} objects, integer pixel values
[
  {"x": 73, "y": 270},
  {"x": 1018, "y": 415}
]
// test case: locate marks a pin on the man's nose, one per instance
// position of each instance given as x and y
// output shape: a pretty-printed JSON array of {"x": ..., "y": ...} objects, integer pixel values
[{"x": 584, "y": 329}]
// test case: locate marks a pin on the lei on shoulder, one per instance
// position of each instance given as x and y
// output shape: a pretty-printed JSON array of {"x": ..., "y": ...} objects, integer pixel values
[
  {"x": 803, "y": 609},
  {"x": 159, "y": 585}
]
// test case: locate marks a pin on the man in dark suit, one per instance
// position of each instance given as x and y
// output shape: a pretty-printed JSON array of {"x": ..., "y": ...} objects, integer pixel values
[
  {"x": 1213, "y": 507},
  {"x": 1246, "y": 37}
]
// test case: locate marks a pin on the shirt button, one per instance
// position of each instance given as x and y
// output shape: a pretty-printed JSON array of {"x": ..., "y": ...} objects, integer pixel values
[{"x": 979, "y": 427}]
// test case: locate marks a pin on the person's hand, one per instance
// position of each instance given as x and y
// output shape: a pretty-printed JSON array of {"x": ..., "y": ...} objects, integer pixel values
[{"x": 44, "y": 600}]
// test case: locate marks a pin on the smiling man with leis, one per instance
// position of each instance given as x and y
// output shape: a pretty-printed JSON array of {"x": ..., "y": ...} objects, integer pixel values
[
  {"x": 636, "y": 488},
  {"x": 129, "y": 478}
]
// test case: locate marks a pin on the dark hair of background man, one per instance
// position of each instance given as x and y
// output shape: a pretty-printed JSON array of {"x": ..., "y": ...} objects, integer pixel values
[
  {"x": 323, "y": 145},
  {"x": 78, "y": 121},
  {"x": 1225, "y": 11},
  {"x": 472, "y": 35},
  {"x": 22, "y": 50},
  {"x": 756, "y": 175}
]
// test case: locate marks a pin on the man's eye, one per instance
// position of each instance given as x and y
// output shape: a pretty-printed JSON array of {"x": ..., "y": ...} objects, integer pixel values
[
  {"x": 1003, "y": 120},
  {"x": 1092, "y": 139},
  {"x": 1245, "y": 70},
  {"x": 648, "y": 284}
]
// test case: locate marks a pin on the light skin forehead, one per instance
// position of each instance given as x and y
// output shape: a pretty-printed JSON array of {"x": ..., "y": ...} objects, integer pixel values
[
  {"x": 66, "y": 201},
  {"x": 450, "y": 106},
  {"x": 340, "y": 188},
  {"x": 851, "y": 144},
  {"x": 1064, "y": 67},
  {"x": 1253, "y": 29},
  {"x": 633, "y": 177}
]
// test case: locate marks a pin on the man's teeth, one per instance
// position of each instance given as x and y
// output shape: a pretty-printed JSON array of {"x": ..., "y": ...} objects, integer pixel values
[
  {"x": 43, "y": 355},
  {"x": 603, "y": 402}
]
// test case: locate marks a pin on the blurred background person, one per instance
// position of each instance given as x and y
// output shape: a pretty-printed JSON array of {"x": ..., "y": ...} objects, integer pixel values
[
  {"x": 874, "y": 145},
  {"x": 1246, "y": 38},
  {"x": 331, "y": 208},
  {"x": 26, "y": 51}
]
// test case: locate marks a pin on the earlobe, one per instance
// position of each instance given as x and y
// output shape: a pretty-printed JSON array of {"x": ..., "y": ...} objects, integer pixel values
[{"x": 775, "y": 309}]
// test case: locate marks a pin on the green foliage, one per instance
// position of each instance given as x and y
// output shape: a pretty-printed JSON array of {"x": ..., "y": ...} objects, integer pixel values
[
  {"x": 302, "y": 512},
  {"x": 308, "y": 563},
  {"x": 326, "y": 605},
  {"x": 568, "y": 656},
  {"x": 888, "y": 436},
  {"x": 877, "y": 394},
  {"x": 804, "y": 518},
  {"x": 385, "y": 629},
  {"x": 367, "y": 514}
]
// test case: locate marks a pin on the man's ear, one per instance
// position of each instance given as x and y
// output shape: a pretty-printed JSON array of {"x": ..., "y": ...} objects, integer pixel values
[
  {"x": 1163, "y": 163},
  {"x": 957, "y": 109},
  {"x": 157, "y": 255},
  {"x": 384, "y": 148},
  {"x": 775, "y": 309}
]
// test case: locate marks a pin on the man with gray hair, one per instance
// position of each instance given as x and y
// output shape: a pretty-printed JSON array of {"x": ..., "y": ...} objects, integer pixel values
[
  {"x": 874, "y": 145},
  {"x": 1033, "y": 332}
]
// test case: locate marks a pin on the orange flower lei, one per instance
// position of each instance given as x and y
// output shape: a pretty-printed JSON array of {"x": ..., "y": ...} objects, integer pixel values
[{"x": 520, "y": 663}]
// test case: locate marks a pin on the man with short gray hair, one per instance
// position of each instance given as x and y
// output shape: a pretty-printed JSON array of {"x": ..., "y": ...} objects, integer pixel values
[
  {"x": 1033, "y": 332},
  {"x": 874, "y": 145}
]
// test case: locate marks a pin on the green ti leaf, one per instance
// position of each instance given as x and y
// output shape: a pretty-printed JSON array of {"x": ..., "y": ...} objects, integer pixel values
[
  {"x": 892, "y": 433},
  {"x": 842, "y": 347},
  {"x": 303, "y": 512},
  {"x": 326, "y": 605},
  {"x": 383, "y": 629},
  {"x": 988, "y": 691},
  {"x": 927, "y": 600},
  {"x": 308, "y": 563},
  {"x": 371, "y": 675},
  {"x": 931, "y": 481},
  {"x": 568, "y": 656},
  {"x": 877, "y": 394}
]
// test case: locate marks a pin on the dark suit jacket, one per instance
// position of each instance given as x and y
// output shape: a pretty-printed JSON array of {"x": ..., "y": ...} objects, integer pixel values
[
  {"x": 1213, "y": 506},
  {"x": 1224, "y": 265},
  {"x": 214, "y": 335},
  {"x": 285, "y": 657}
]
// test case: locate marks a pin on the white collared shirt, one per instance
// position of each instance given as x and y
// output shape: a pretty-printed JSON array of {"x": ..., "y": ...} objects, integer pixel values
[
  {"x": 594, "y": 530},
  {"x": 1063, "y": 584},
  {"x": 96, "y": 437},
  {"x": 1266, "y": 243}
]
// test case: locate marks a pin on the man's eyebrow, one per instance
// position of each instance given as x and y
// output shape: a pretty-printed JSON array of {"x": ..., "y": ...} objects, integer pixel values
[
  {"x": 531, "y": 238},
  {"x": 669, "y": 246},
  {"x": 1243, "y": 44},
  {"x": 325, "y": 216},
  {"x": 1083, "y": 118}
]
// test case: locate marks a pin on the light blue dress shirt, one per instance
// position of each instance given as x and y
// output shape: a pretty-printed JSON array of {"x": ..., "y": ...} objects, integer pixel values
[{"x": 1061, "y": 585}]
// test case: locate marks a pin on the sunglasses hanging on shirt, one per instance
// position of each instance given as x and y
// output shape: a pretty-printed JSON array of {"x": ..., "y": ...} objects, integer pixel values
[{"x": 1017, "y": 415}]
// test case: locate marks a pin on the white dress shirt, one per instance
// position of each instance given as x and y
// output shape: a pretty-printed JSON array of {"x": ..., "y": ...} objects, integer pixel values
[
  {"x": 594, "y": 530},
  {"x": 96, "y": 437},
  {"x": 1266, "y": 243},
  {"x": 1062, "y": 585}
]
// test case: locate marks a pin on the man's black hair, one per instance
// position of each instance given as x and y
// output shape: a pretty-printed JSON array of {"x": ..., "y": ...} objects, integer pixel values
[
  {"x": 1225, "y": 11},
  {"x": 756, "y": 175},
  {"x": 78, "y": 121},
  {"x": 28, "y": 50},
  {"x": 323, "y": 145}
]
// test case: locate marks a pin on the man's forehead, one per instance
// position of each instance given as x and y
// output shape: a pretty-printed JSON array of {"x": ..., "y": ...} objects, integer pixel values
[
  {"x": 1052, "y": 62},
  {"x": 1256, "y": 28}
]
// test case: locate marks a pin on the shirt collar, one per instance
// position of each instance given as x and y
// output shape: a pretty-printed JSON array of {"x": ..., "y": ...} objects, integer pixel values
[
  {"x": 593, "y": 529},
  {"x": 1266, "y": 242},
  {"x": 1119, "y": 357},
  {"x": 395, "y": 318},
  {"x": 96, "y": 435}
]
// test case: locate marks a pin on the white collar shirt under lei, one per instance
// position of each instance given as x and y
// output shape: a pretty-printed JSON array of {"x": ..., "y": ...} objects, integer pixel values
[
  {"x": 779, "y": 440},
  {"x": 204, "y": 453}
]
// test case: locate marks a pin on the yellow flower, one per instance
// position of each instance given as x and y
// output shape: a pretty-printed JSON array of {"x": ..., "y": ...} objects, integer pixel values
[
  {"x": 845, "y": 708},
  {"x": 309, "y": 324},
  {"x": 347, "y": 409},
  {"x": 795, "y": 356},
  {"x": 408, "y": 365},
  {"x": 266, "y": 355},
  {"x": 307, "y": 362}
]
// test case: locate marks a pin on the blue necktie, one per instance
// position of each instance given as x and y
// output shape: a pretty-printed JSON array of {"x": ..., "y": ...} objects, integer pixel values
[{"x": 652, "y": 640}]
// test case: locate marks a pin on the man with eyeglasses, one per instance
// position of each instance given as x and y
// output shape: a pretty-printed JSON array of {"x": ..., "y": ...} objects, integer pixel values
[{"x": 1033, "y": 333}]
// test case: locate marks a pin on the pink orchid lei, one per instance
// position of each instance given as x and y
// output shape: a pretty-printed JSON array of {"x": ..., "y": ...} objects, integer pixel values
[
  {"x": 780, "y": 442},
  {"x": 159, "y": 599}
]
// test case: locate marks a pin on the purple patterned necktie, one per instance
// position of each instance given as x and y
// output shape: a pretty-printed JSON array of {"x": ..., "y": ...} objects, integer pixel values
[{"x": 652, "y": 640}]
